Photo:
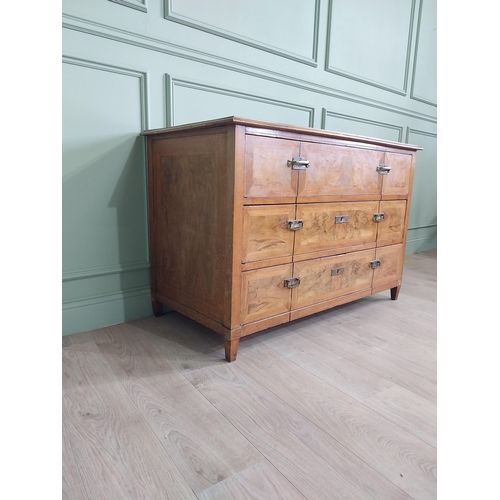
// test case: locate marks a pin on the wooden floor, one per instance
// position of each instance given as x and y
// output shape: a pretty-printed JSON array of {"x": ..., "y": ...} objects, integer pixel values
[{"x": 338, "y": 405}]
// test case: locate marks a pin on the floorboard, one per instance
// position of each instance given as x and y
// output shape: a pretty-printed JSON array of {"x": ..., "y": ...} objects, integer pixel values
[
  {"x": 405, "y": 460},
  {"x": 115, "y": 450},
  {"x": 183, "y": 422},
  {"x": 259, "y": 482}
]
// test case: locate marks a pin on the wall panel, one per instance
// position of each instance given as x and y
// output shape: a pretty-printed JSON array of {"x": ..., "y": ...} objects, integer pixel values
[
  {"x": 134, "y": 64},
  {"x": 286, "y": 29},
  {"x": 191, "y": 102},
  {"x": 104, "y": 183},
  {"x": 370, "y": 41},
  {"x": 424, "y": 87},
  {"x": 422, "y": 230}
]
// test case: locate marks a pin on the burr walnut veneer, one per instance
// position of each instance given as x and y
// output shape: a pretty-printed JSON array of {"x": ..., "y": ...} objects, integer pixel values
[{"x": 255, "y": 224}]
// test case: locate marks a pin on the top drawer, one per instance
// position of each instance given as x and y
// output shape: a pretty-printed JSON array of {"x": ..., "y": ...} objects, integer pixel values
[
  {"x": 321, "y": 172},
  {"x": 268, "y": 179}
]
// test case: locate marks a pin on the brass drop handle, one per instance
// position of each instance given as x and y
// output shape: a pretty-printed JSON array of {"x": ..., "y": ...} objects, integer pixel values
[
  {"x": 374, "y": 264},
  {"x": 383, "y": 169},
  {"x": 298, "y": 163},
  {"x": 292, "y": 282},
  {"x": 379, "y": 217}
]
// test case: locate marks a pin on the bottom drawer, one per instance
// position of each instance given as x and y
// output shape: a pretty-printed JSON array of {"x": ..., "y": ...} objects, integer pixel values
[
  {"x": 263, "y": 293},
  {"x": 329, "y": 277},
  {"x": 391, "y": 260},
  {"x": 268, "y": 291}
]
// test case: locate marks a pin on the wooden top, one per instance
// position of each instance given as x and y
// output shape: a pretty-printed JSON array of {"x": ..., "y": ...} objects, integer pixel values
[{"x": 234, "y": 120}]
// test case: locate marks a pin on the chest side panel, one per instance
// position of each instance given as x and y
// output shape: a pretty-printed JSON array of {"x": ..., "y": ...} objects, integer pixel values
[{"x": 192, "y": 225}]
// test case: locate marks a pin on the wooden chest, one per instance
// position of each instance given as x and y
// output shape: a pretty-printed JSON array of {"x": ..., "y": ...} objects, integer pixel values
[{"x": 255, "y": 224}]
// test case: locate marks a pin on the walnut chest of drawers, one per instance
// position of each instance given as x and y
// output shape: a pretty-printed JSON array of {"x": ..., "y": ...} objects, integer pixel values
[{"x": 255, "y": 224}]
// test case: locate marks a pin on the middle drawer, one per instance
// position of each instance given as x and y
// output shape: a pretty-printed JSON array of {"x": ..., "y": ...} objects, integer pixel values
[{"x": 273, "y": 231}]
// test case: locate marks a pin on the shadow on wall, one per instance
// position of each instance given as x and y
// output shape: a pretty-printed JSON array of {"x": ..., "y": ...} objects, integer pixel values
[{"x": 105, "y": 235}]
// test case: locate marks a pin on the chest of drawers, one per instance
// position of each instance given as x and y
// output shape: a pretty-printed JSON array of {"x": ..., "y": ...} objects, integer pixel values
[{"x": 255, "y": 224}]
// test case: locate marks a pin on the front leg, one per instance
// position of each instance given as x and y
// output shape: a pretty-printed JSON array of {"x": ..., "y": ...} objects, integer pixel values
[
  {"x": 395, "y": 292},
  {"x": 231, "y": 349}
]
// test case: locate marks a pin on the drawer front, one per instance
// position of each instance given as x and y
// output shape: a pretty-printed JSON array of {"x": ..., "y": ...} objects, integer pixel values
[
  {"x": 333, "y": 225},
  {"x": 391, "y": 264},
  {"x": 263, "y": 293},
  {"x": 265, "y": 232},
  {"x": 330, "y": 277},
  {"x": 267, "y": 174},
  {"x": 391, "y": 229},
  {"x": 397, "y": 181},
  {"x": 339, "y": 171}
]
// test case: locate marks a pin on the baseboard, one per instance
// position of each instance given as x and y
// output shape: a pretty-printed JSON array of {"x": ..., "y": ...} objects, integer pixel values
[
  {"x": 106, "y": 310},
  {"x": 417, "y": 245}
]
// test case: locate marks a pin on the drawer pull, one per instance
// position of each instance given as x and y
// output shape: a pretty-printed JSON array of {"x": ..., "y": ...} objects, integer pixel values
[
  {"x": 383, "y": 169},
  {"x": 339, "y": 219},
  {"x": 379, "y": 217},
  {"x": 337, "y": 271},
  {"x": 298, "y": 163},
  {"x": 295, "y": 225},
  {"x": 292, "y": 282},
  {"x": 374, "y": 264}
]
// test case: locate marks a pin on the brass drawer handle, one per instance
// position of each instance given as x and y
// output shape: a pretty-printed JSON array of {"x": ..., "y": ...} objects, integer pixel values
[
  {"x": 383, "y": 169},
  {"x": 339, "y": 219},
  {"x": 337, "y": 271},
  {"x": 379, "y": 217},
  {"x": 298, "y": 163},
  {"x": 374, "y": 264},
  {"x": 295, "y": 225},
  {"x": 292, "y": 282}
]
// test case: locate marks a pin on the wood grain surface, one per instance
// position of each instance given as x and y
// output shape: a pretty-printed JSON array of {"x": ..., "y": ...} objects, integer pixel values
[
  {"x": 117, "y": 454},
  {"x": 397, "y": 181},
  {"x": 175, "y": 413},
  {"x": 260, "y": 482},
  {"x": 317, "y": 283},
  {"x": 316, "y": 464},
  {"x": 267, "y": 174},
  {"x": 321, "y": 231},
  {"x": 263, "y": 293},
  {"x": 395, "y": 453},
  {"x": 193, "y": 168},
  {"x": 339, "y": 171},
  {"x": 265, "y": 232}
]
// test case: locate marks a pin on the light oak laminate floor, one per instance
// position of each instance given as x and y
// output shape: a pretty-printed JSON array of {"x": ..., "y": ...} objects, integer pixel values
[{"x": 339, "y": 405}]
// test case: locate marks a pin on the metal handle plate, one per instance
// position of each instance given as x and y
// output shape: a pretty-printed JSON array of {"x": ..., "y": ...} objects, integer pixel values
[
  {"x": 374, "y": 264},
  {"x": 295, "y": 225},
  {"x": 379, "y": 217},
  {"x": 291, "y": 282},
  {"x": 339, "y": 219},
  {"x": 383, "y": 169},
  {"x": 337, "y": 271},
  {"x": 298, "y": 163}
]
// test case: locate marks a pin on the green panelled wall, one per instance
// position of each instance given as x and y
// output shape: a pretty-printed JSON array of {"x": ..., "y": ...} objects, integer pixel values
[{"x": 359, "y": 66}]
